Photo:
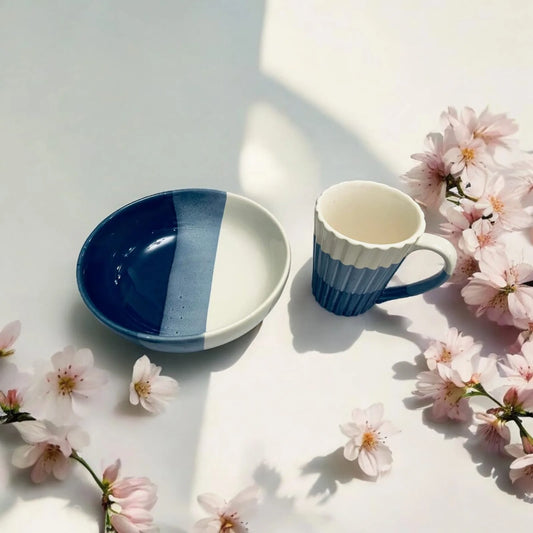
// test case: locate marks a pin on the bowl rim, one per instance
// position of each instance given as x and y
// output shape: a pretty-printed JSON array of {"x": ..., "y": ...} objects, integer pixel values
[{"x": 238, "y": 328}]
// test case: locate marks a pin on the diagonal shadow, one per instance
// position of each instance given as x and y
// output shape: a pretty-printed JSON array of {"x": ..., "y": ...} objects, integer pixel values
[{"x": 129, "y": 121}]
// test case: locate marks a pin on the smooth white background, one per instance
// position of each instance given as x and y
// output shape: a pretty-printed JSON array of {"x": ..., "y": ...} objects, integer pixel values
[{"x": 105, "y": 102}]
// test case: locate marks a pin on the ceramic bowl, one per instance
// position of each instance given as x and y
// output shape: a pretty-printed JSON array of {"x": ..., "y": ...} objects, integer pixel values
[{"x": 184, "y": 270}]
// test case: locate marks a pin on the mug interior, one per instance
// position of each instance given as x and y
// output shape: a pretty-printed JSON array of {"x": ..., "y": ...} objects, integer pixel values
[{"x": 370, "y": 212}]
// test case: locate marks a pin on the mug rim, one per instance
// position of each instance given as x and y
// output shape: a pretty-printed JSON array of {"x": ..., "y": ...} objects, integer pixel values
[{"x": 383, "y": 246}]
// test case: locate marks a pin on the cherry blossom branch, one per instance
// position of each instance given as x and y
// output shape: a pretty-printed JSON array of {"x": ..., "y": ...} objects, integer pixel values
[
  {"x": 15, "y": 416},
  {"x": 453, "y": 182},
  {"x": 479, "y": 390},
  {"x": 11, "y": 417},
  {"x": 74, "y": 455},
  {"x": 506, "y": 412}
]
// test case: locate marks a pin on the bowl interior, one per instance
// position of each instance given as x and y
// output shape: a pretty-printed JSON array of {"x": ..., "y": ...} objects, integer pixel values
[{"x": 183, "y": 264}]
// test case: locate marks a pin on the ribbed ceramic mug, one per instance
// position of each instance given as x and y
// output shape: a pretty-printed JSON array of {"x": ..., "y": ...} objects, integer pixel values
[{"x": 363, "y": 232}]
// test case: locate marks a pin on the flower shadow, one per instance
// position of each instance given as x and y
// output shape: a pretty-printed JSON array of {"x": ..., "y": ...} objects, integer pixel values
[
  {"x": 406, "y": 371},
  {"x": 278, "y": 512},
  {"x": 449, "y": 429},
  {"x": 495, "y": 466},
  {"x": 333, "y": 470},
  {"x": 451, "y": 304}
]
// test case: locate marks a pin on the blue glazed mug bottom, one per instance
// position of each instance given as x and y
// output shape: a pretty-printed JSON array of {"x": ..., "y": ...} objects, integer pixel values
[{"x": 341, "y": 302}]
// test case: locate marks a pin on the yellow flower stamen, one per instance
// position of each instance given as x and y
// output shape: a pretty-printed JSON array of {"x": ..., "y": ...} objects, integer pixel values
[
  {"x": 143, "y": 388},
  {"x": 66, "y": 384},
  {"x": 468, "y": 154},
  {"x": 497, "y": 205},
  {"x": 369, "y": 440},
  {"x": 445, "y": 355}
]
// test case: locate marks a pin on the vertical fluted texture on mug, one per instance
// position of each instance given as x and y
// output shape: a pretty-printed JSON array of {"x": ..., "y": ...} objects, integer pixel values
[{"x": 347, "y": 289}]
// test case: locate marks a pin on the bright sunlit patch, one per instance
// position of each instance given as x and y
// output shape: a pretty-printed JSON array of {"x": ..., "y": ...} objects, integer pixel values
[
  {"x": 54, "y": 514},
  {"x": 276, "y": 157}
]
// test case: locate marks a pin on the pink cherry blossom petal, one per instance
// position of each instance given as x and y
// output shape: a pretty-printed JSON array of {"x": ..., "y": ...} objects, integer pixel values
[
  {"x": 33, "y": 431},
  {"x": 368, "y": 462},
  {"x": 211, "y": 502},
  {"x": 226, "y": 516},
  {"x": 123, "y": 524},
  {"x": 48, "y": 448},
  {"x": 141, "y": 368},
  {"x": 111, "y": 472},
  {"x": 131, "y": 500},
  {"x": 207, "y": 525},
  {"x": 83, "y": 358},
  {"x": 25, "y": 456},
  {"x": 61, "y": 393},
  {"x": 515, "y": 450},
  {"x": 40, "y": 471},
  {"x": 9, "y": 335},
  {"x": 149, "y": 388},
  {"x": 61, "y": 468},
  {"x": 246, "y": 497},
  {"x": 368, "y": 436},
  {"x": 374, "y": 414},
  {"x": 351, "y": 450},
  {"x": 350, "y": 429}
]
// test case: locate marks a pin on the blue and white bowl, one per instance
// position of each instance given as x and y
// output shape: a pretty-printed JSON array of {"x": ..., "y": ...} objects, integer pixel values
[{"x": 184, "y": 270}]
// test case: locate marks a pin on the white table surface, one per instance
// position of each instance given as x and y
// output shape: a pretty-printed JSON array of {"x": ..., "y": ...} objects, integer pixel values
[{"x": 105, "y": 102}]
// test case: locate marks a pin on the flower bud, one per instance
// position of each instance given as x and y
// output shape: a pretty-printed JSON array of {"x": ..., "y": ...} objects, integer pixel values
[
  {"x": 527, "y": 443},
  {"x": 511, "y": 397},
  {"x": 11, "y": 401}
]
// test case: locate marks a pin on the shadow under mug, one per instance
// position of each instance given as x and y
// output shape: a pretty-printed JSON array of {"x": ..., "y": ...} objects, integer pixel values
[{"x": 363, "y": 231}]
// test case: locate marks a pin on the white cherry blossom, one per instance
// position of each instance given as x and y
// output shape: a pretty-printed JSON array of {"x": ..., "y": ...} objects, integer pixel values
[{"x": 149, "y": 388}]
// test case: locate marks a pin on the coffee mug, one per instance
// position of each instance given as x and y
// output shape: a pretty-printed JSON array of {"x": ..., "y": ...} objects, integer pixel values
[{"x": 363, "y": 231}]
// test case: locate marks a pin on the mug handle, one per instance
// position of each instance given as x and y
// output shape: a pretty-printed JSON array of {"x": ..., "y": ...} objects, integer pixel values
[{"x": 438, "y": 245}]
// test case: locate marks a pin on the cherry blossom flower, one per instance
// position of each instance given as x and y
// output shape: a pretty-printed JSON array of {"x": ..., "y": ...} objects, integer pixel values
[
  {"x": 226, "y": 517},
  {"x": 493, "y": 431},
  {"x": 455, "y": 344},
  {"x": 368, "y": 434},
  {"x": 467, "y": 265},
  {"x": 526, "y": 335},
  {"x": 489, "y": 128},
  {"x": 48, "y": 448},
  {"x": 459, "y": 218},
  {"x": 9, "y": 334},
  {"x": 13, "y": 387},
  {"x": 65, "y": 390},
  {"x": 445, "y": 387},
  {"x": 477, "y": 370},
  {"x": 519, "y": 368},
  {"x": 128, "y": 501},
  {"x": 468, "y": 159},
  {"x": 520, "y": 399},
  {"x": 499, "y": 290},
  {"x": 481, "y": 236},
  {"x": 426, "y": 182},
  {"x": 502, "y": 203},
  {"x": 149, "y": 388},
  {"x": 521, "y": 469},
  {"x": 520, "y": 176}
]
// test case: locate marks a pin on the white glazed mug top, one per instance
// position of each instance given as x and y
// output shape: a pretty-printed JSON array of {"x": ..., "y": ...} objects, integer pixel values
[
  {"x": 363, "y": 232},
  {"x": 370, "y": 213}
]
